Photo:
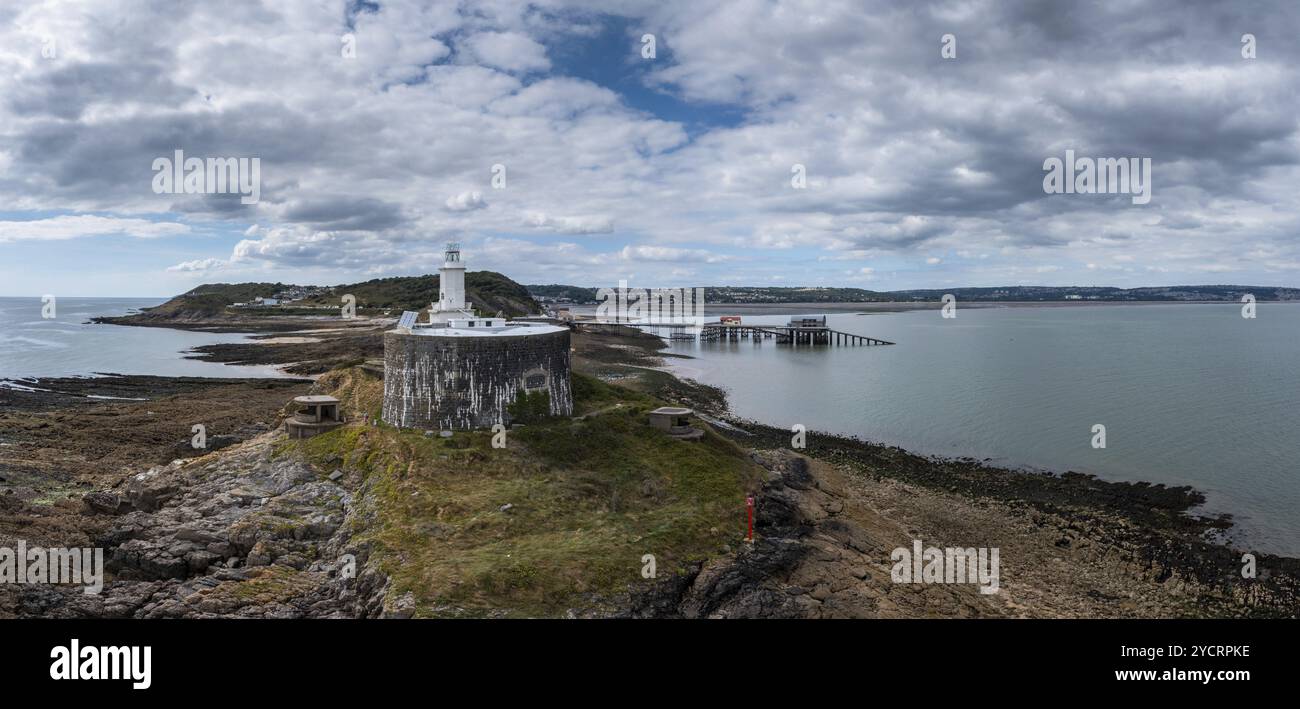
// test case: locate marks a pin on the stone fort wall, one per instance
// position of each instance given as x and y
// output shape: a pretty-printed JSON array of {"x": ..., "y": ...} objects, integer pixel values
[{"x": 437, "y": 383}]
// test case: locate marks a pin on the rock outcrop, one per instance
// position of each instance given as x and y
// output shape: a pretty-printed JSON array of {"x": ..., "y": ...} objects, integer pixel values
[
  {"x": 235, "y": 534},
  {"x": 813, "y": 557}
]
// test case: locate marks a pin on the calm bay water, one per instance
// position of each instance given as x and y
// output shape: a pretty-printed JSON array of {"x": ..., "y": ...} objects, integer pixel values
[
  {"x": 66, "y": 345},
  {"x": 1189, "y": 395}
]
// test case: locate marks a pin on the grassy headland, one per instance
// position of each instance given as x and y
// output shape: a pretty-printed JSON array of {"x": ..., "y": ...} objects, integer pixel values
[
  {"x": 212, "y": 306},
  {"x": 558, "y": 519}
]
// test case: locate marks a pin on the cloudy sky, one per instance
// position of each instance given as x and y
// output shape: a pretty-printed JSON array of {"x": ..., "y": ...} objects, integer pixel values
[{"x": 378, "y": 125}]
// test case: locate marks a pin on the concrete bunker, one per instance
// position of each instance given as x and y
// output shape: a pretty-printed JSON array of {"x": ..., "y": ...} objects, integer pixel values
[
  {"x": 316, "y": 414},
  {"x": 676, "y": 422}
]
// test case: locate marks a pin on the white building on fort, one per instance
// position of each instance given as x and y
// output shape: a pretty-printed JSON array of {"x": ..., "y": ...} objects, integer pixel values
[{"x": 451, "y": 289}]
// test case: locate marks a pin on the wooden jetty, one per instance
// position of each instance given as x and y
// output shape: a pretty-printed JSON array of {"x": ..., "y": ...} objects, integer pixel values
[
  {"x": 795, "y": 335},
  {"x": 782, "y": 334}
]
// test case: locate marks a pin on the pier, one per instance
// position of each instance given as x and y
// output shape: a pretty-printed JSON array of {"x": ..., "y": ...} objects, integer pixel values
[{"x": 794, "y": 334}]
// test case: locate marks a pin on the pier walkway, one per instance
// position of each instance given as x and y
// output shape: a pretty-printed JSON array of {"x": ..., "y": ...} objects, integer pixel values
[{"x": 782, "y": 334}]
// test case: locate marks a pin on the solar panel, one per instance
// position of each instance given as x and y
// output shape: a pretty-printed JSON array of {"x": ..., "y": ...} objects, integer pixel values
[{"x": 408, "y": 319}]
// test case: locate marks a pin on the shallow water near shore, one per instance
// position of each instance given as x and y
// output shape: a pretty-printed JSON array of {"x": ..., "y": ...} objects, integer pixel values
[
  {"x": 1189, "y": 395},
  {"x": 67, "y": 345}
]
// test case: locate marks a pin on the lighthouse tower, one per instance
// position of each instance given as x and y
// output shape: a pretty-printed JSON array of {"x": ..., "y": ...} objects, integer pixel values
[{"x": 451, "y": 281}]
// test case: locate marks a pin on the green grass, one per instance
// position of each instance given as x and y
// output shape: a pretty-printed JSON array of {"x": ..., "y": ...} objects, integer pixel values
[
  {"x": 589, "y": 498},
  {"x": 267, "y": 584}
]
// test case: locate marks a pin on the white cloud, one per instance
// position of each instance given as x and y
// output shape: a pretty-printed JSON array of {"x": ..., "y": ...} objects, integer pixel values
[
  {"x": 669, "y": 254},
  {"x": 198, "y": 265},
  {"x": 78, "y": 226},
  {"x": 510, "y": 51},
  {"x": 466, "y": 201},
  {"x": 570, "y": 225}
]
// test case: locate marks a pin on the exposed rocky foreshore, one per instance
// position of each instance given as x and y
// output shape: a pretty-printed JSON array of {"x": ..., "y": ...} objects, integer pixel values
[
  {"x": 825, "y": 537},
  {"x": 231, "y": 534}
]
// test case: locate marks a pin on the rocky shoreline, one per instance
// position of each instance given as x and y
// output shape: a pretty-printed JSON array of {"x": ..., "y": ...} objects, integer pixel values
[
  {"x": 235, "y": 530},
  {"x": 228, "y": 535},
  {"x": 1071, "y": 545}
]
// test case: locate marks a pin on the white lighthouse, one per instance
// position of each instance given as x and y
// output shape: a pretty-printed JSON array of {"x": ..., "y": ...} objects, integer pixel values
[{"x": 451, "y": 282}]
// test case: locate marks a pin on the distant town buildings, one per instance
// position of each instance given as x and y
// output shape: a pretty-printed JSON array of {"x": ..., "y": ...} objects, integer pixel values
[
  {"x": 295, "y": 293},
  {"x": 561, "y": 314},
  {"x": 257, "y": 303},
  {"x": 290, "y": 294}
]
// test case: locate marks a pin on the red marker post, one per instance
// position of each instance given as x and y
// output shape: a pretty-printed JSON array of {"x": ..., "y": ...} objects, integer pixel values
[{"x": 749, "y": 512}]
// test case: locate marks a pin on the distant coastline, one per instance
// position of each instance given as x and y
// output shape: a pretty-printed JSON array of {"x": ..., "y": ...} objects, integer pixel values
[
  {"x": 711, "y": 309},
  {"x": 561, "y": 295}
]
